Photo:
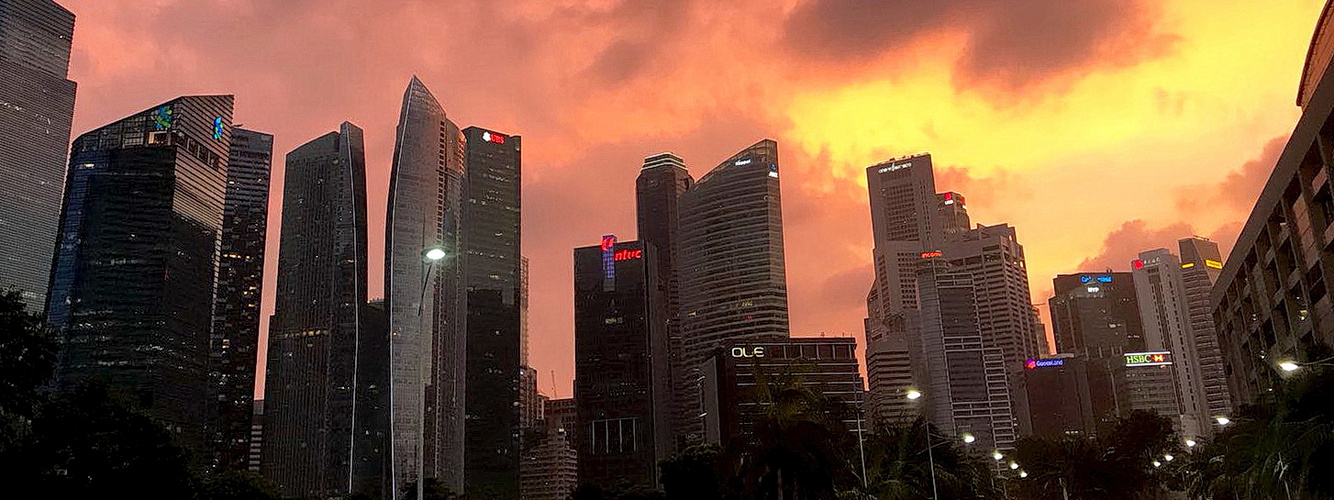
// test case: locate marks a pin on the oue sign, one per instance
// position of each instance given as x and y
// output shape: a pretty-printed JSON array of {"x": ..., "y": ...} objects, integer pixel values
[{"x": 748, "y": 352}]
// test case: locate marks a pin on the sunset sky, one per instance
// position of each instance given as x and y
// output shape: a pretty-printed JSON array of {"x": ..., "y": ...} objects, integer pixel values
[{"x": 1098, "y": 128}]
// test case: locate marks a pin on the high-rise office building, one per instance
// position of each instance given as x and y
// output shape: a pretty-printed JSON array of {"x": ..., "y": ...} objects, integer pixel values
[
  {"x": 234, "y": 341},
  {"x": 36, "y": 108},
  {"x": 658, "y": 189},
  {"x": 731, "y": 266},
  {"x": 493, "y": 277},
  {"x": 620, "y": 358},
  {"x": 995, "y": 259},
  {"x": 134, "y": 272},
  {"x": 1096, "y": 316},
  {"x": 316, "y": 337},
  {"x": 371, "y": 469},
  {"x": 1201, "y": 264},
  {"x": 953, "y": 213},
  {"x": 1164, "y": 313},
  {"x": 256, "y": 455},
  {"x": 904, "y": 226},
  {"x": 1059, "y": 396},
  {"x": 1271, "y": 301},
  {"x": 742, "y": 377},
  {"x": 425, "y": 295},
  {"x": 963, "y": 368},
  {"x": 550, "y": 467}
]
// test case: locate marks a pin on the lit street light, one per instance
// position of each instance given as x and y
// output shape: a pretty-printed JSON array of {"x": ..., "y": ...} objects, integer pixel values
[
  {"x": 1157, "y": 463},
  {"x": 1289, "y": 366},
  {"x": 435, "y": 254},
  {"x": 1168, "y": 457},
  {"x": 914, "y": 394},
  {"x": 1222, "y": 420},
  {"x": 968, "y": 437},
  {"x": 1013, "y": 465},
  {"x": 1023, "y": 474},
  {"x": 997, "y": 455},
  {"x": 1190, "y": 443}
]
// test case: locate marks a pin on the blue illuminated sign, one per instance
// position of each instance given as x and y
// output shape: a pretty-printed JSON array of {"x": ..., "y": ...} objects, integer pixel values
[
  {"x": 162, "y": 118},
  {"x": 1105, "y": 279},
  {"x": 217, "y": 128}
]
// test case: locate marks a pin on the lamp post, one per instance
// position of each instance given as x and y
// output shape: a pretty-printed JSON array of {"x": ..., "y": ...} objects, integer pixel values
[
  {"x": 1292, "y": 365},
  {"x": 914, "y": 395},
  {"x": 430, "y": 257}
]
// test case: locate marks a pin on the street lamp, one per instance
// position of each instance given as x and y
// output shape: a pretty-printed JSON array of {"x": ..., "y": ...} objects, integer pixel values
[
  {"x": 997, "y": 455},
  {"x": 913, "y": 395},
  {"x": 1190, "y": 443},
  {"x": 969, "y": 438},
  {"x": 1014, "y": 465},
  {"x": 1157, "y": 463},
  {"x": 1222, "y": 420},
  {"x": 1168, "y": 458},
  {"x": 431, "y": 257},
  {"x": 1023, "y": 474}
]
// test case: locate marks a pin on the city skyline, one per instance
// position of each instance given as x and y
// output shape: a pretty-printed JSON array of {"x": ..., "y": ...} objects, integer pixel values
[{"x": 823, "y": 190}]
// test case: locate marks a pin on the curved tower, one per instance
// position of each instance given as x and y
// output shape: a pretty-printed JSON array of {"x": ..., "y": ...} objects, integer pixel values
[
  {"x": 316, "y": 327},
  {"x": 424, "y": 296},
  {"x": 733, "y": 282}
]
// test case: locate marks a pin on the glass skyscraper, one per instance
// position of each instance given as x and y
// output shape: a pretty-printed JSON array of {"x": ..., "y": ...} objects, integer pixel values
[
  {"x": 491, "y": 215},
  {"x": 235, "y": 336},
  {"x": 316, "y": 331},
  {"x": 425, "y": 296},
  {"x": 36, "y": 107},
  {"x": 620, "y": 344},
  {"x": 658, "y": 189},
  {"x": 134, "y": 272},
  {"x": 731, "y": 267}
]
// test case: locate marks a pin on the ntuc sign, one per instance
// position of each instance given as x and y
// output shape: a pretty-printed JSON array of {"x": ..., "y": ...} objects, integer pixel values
[{"x": 748, "y": 352}]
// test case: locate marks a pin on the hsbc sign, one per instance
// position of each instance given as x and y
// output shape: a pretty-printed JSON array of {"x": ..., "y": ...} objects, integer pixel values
[{"x": 748, "y": 352}]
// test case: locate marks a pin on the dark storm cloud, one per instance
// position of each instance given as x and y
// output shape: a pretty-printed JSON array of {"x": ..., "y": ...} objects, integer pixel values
[{"x": 1012, "y": 43}]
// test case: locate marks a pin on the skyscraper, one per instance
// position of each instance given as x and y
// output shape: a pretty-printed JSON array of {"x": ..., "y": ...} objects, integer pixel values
[
  {"x": 1164, "y": 312},
  {"x": 550, "y": 468},
  {"x": 731, "y": 266},
  {"x": 903, "y": 204},
  {"x": 371, "y": 470},
  {"x": 36, "y": 107},
  {"x": 1096, "y": 316},
  {"x": 662, "y": 180},
  {"x": 134, "y": 271},
  {"x": 620, "y": 358},
  {"x": 316, "y": 336},
  {"x": 234, "y": 340},
  {"x": 963, "y": 368},
  {"x": 491, "y": 215},
  {"x": 1201, "y": 264},
  {"x": 995, "y": 259},
  {"x": 424, "y": 294}
]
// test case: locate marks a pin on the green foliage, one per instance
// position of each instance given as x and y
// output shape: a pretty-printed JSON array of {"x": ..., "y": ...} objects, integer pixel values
[
  {"x": 432, "y": 489},
  {"x": 85, "y": 444},
  {"x": 237, "y": 486},
  {"x": 899, "y": 465},
  {"x": 694, "y": 473},
  {"x": 1118, "y": 464},
  {"x": 27, "y": 356},
  {"x": 1282, "y": 449}
]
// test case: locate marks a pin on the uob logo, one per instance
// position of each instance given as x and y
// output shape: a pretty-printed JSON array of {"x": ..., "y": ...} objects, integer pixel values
[{"x": 753, "y": 352}]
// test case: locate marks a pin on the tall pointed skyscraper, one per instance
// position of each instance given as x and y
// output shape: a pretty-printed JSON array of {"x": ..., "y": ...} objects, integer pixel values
[
  {"x": 424, "y": 294},
  {"x": 733, "y": 279},
  {"x": 316, "y": 330},
  {"x": 134, "y": 273},
  {"x": 36, "y": 107},
  {"x": 494, "y": 279}
]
